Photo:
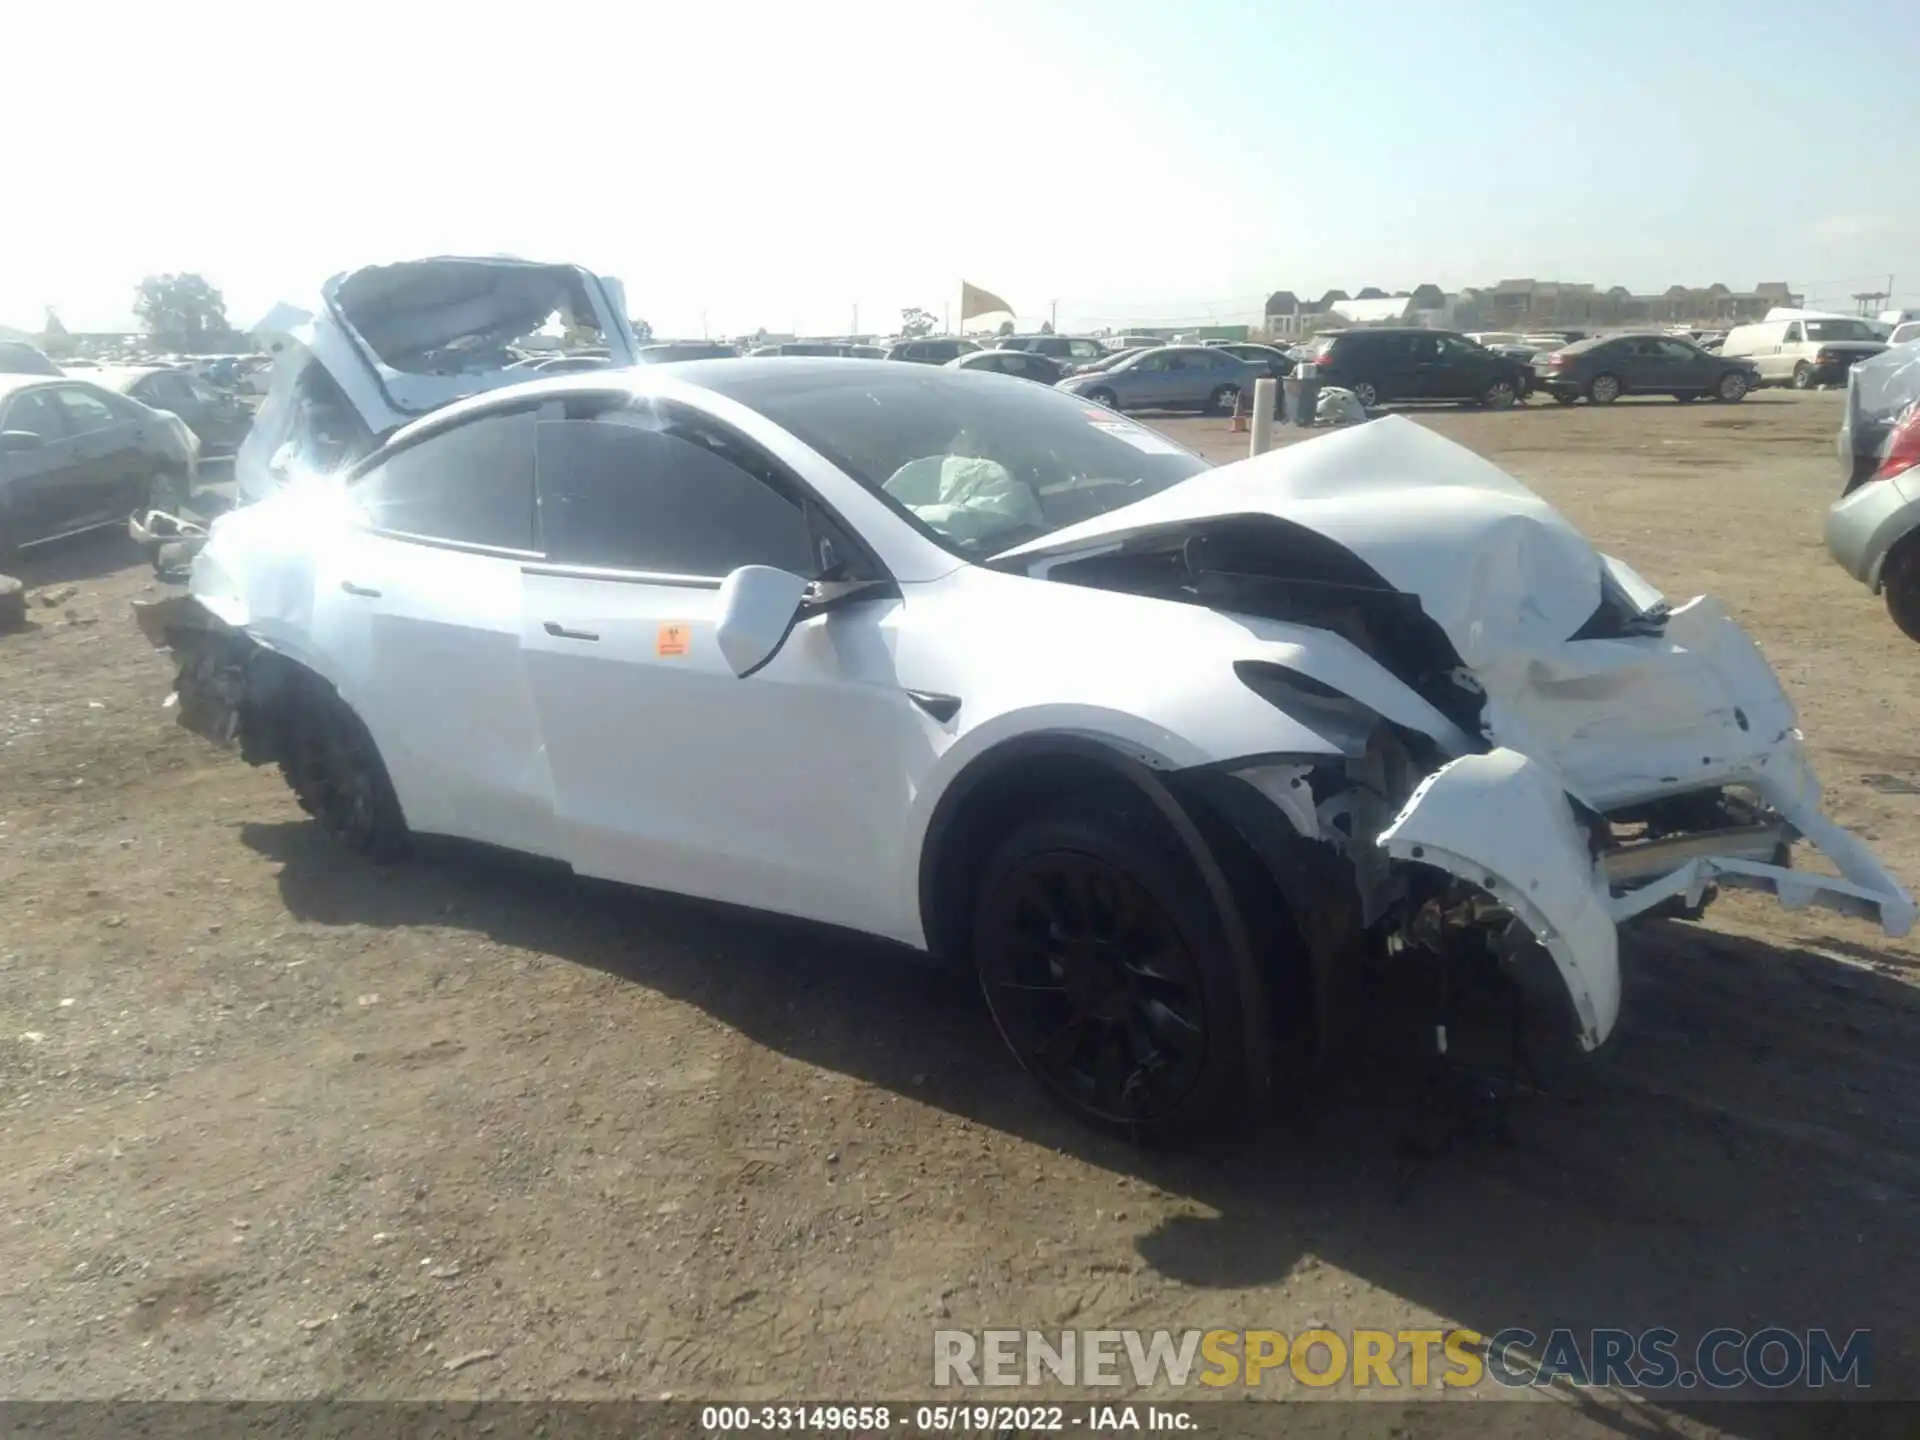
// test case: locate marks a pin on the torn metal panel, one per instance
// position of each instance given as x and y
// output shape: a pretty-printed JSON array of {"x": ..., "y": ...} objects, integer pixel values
[{"x": 1501, "y": 822}]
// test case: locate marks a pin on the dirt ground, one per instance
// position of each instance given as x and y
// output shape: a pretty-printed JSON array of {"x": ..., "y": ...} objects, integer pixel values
[{"x": 278, "y": 1124}]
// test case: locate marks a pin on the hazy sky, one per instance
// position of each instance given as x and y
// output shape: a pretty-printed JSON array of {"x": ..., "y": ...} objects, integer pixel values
[{"x": 758, "y": 163}]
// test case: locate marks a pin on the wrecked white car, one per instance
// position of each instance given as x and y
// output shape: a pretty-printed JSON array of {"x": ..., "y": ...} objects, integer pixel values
[
  {"x": 1159, "y": 750},
  {"x": 383, "y": 345}
]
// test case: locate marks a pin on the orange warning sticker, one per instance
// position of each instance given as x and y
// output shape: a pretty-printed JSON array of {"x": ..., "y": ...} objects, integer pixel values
[{"x": 672, "y": 641}]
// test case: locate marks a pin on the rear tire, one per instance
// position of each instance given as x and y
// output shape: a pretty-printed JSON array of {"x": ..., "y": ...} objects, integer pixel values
[
  {"x": 1900, "y": 582},
  {"x": 1604, "y": 389},
  {"x": 1803, "y": 376},
  {"x": 1103, "y": 396},
  {"x": 335, "y": 771},
  {"x": 1105, "y": 966},
  {"x": 1366, "y": 392},
  {"x": 1223, "y": 400}
]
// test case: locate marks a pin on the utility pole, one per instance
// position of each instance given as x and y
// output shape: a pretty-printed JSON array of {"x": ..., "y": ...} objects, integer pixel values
[
  {"x": 856, "y": 322},
  {"x": 1053, "y": 315}
]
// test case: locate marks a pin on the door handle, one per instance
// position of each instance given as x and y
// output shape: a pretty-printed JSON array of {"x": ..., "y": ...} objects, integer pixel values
[
  {"x": 361, "y": 590},
  {"x": 561, "y": 632}
]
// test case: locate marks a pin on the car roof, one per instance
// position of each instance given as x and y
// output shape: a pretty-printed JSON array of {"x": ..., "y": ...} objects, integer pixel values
[
  {"x": 10, "y": 384},
  {"x": 124, "y": 377},
  {"x": 738, "y": 379}
]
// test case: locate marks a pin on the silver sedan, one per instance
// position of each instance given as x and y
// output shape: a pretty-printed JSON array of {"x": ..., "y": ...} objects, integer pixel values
[{"x": 1169, "y": 377}]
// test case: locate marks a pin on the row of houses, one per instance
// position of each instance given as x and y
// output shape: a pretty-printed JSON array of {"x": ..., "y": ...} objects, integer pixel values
[{"x": 1523, "y": 305}]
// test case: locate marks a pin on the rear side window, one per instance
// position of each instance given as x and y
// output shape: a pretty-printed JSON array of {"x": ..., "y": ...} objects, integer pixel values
[
  {"x": 472, "y": 485},
  {"x": 84, "y": 412},
  {"x": 620, "y": 495}
]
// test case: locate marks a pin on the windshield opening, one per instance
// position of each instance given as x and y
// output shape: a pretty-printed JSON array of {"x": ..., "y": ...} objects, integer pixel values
[{"x": 977, "y": 462}]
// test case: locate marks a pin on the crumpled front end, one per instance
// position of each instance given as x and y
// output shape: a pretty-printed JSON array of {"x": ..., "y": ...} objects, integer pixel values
[
  {"x": 1605, "y": 754},
  {"x": 1504, "y": 824}
]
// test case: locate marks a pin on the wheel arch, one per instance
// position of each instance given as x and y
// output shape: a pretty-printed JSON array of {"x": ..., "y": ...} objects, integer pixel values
[{"x": 1258, "y": 870}]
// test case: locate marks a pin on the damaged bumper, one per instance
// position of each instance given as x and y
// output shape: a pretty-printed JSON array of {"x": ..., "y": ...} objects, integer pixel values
[{"x": 1504, "y": 823}]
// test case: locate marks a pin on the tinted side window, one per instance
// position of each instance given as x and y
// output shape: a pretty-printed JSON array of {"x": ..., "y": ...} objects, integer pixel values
[
  {"x": 1083, "y": 350},
  {"x": 617, "y": 496},
  {"x": 84, "y": 412},
  {"x": 35, "y": 413},
  {"x": 472, "y": 484}
]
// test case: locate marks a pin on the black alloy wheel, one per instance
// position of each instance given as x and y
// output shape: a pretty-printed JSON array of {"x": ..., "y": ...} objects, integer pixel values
[{"x": 1093, "y": 983}]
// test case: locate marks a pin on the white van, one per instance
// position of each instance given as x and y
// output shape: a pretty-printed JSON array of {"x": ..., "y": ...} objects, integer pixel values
[{"x": 1803, "y": 353}]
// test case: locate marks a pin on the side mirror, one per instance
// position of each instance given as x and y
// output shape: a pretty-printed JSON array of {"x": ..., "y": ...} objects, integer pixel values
[
  {"x": 758, "y": 605},
  {"x": 12, "y": 442}
]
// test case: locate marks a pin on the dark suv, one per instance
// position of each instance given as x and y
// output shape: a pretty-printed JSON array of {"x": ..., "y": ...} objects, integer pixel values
[
  {"x": 1067, "y": 349},
  {"x": 1381, "y": 366},
  {"x": 931, "y": 352}
]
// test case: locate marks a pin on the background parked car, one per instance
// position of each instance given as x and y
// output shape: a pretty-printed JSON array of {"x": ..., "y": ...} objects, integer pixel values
[
  {"x": 76, "y": 457},
  {"x": 1384, "y": 365},
  {"x": 1169, "y": 377},
  {"x": 1873, "y": 529},
  {"x": 1812, "y": 350},
  {"x": 1609, "y": 366},
  {"x": 937, "y": 351},
  {"x": 1904, "y": 332},
  {"x": 669, "y": 351},
  {"x": 1068, "y": 349},
  {"x": 1107, "y": 361},
  {"x": 19, "y": 358},
  {"x": 1026, "y": 364},
  {"x": 219, "y": 420},
  {"x": 1276, "y": 363}
]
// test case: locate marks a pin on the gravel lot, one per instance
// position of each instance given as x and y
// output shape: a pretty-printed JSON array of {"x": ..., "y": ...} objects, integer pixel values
[{"x": 277, "y": 1124}]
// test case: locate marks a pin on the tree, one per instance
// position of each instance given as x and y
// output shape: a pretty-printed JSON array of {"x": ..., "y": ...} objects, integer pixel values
[
  {"x": 915, "y": 322},
  {"x": 55, "y": 342},
  {"x": 1046, "y": 327},
  {"x": 1006, "y": 328},
  {"x": 183, "y": 313},
  {"x": 642, "y": 331}
]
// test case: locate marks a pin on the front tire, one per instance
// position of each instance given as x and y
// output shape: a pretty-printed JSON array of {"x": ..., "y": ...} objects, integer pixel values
[
  {"x": 1803, "y": 376},
  {"x": 1499, "y": 395},
  {"x": 334, "y": 768},
  {"x": 1105, "y": 966},
  {"x": 1604, "y": 389},
  {"x": 1223, "y": 400},
  {"x": 1732, "y": 388}
]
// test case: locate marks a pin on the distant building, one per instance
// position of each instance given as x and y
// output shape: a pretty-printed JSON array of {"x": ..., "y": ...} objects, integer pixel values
[{"x": 1524, "y": 304}]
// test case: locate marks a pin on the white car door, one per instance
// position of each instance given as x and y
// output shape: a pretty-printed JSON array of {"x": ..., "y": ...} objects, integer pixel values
[
  {"x": 450, "y": 521},
  {"x": 788, "y": 790}
]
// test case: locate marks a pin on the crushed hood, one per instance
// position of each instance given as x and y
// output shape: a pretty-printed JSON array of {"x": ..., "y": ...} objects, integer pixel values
[{"x": 1500, "y": 571}]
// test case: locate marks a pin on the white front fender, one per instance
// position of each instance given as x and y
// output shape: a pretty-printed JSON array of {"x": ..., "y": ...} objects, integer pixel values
[{"x": 1502, "y": 822}]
